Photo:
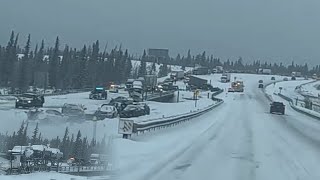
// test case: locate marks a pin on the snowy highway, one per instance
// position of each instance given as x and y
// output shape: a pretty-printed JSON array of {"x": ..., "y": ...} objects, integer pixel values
[{"x": 238, "y": 140}]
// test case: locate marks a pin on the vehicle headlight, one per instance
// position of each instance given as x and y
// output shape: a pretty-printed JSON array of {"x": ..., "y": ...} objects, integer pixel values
[
  {"x": 17, "y": 100},
  {"x": 29, "y": 101}
]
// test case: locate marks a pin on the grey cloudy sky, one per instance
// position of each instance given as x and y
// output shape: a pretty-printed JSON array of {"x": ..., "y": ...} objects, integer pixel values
[{"x": 265, "y": 29}]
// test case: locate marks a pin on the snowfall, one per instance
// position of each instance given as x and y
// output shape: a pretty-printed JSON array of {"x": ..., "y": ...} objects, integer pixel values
[{"x": 237, "y": 140}]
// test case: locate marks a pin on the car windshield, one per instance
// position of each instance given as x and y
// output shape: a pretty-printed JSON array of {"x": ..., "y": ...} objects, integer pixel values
[
  {"x": 27, "y": 96},
  {"x": 160, "y": 89}
]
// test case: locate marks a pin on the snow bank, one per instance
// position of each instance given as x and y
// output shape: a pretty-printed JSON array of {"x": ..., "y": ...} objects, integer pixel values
[{"x": 42, "y": 176}]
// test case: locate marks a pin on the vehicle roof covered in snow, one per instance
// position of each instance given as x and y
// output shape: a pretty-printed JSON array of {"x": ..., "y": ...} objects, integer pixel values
[
  {"x": 39, "y": 147},
  {"x": 18, "y": 149},
  {"x": 54, "y": 150}
]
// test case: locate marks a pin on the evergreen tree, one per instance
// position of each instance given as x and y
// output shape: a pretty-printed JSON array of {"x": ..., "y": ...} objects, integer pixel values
[
  {"x": 143, "y": 65},
  {"x": 153, "y": 68},
  {"x": 24, "y": 68},
  {"x": 128, "y": 65},
  {"x": 64, "y": 146},
  {"x": 54, "y": 65},
  {"x": 20, "y": 134},
  {"x": 77, "y": 146},
  {"x": 34, "y": 139}
]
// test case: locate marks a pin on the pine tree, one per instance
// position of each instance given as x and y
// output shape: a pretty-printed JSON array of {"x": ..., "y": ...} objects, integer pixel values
[
  {"x": 24, "y": 68},
  {"x": 54, "y": 64},
  {"x": 40, "y": 138},
  {"x": 9, "y": 64},
  {"x": 84, "y": 148},
  {"x": 128, "y": 65},
  {"x": 82, "y": 73},
  {"x": 20, "y": 135},
  {"x": 77, "y": 146},
  {"x": 64, "y": 145},
  {"x": 153, "y": 68},
  {"x": 34, "y": 139},
  {"x": 143, "y": 65}
]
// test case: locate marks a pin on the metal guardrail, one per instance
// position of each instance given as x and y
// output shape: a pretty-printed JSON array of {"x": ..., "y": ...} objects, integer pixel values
[
  {"x": 298, "y": 109},
  {"x": 141, "y": 127},
  {"x": 64, "y": 169}
]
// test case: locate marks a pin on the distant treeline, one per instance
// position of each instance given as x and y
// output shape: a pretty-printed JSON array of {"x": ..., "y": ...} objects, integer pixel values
[
  {"x": 71, "y": 146},
  {"x": 68, "y": 67}
]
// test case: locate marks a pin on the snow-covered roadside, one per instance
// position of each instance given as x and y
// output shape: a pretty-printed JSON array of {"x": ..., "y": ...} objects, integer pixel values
[
  {"x": 161, "y": 110},
  {"x": 288, "y": 88},
  {"x": 311, "y": 89},
  {"x": 48, "y": 176}
]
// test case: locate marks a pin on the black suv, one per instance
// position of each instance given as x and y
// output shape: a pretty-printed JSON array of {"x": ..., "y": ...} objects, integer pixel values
[
  {"x": 29, "y": 100},
  {"x": 277, "y": 107}
]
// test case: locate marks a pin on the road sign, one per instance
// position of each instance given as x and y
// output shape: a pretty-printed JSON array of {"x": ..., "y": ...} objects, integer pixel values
[{"x": 125, "y": 126}]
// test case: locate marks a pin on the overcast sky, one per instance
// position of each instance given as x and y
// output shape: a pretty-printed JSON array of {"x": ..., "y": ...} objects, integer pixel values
[{"x": 253, "y": 29}]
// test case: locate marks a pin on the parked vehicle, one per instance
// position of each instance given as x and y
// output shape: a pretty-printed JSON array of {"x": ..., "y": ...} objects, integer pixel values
[
  {"x": 73, "y": 111},
  {"x": 226, "y": 77},
  {"x": 200, "y": 71},
  {"x": 219, "y": 69},
  {"x": 177, "y": 75},
  {"x": 98, "y": 93},
  {"x": 48, "y": 115},
  {"x": 285, "y": 79},
  {"x": 273, "y": 78},
  {"x": 150, "y": 82},
  {"x": 114, "y": 88},
  {"x": 120, "y": 103},
  {"x": 198, "y": 82},
  {"x": 296, "y": 74},
  {"x": 293, "y": 78},
  {"x": 168, "y": 80},
  {"x": 98, "y": 159},
  {"x": 260, "y": 81},
  {"x": 260, "y": 86},
  {"x": 264, "y": 71},
  {"x": 277, "y": 107},
  {"x": 129, "y": 84},
  {"x": 28, "y": 100},
  {"x": 106, "y": 111},
  {"x": 135, "y": 110}
]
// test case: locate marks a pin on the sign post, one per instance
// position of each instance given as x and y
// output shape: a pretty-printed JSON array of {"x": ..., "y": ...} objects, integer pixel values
[
  {"x": 280, "y": 88},
  {"x": 94, "y": 119},
  {"x": 125, "y": 128}
]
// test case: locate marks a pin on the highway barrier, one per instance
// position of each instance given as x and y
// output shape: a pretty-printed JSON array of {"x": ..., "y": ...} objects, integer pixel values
[
  {"x": 302, "y": 110},
  {"x": 128, "y": 127}
]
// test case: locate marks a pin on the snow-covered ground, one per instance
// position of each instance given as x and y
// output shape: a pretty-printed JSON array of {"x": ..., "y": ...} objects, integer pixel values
[
  {"x": 237, "y": 140},
  {"x": 288, "y": 88},
  {"x": 48, "y": 176},
  {"x": 311, "y": 89}
]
